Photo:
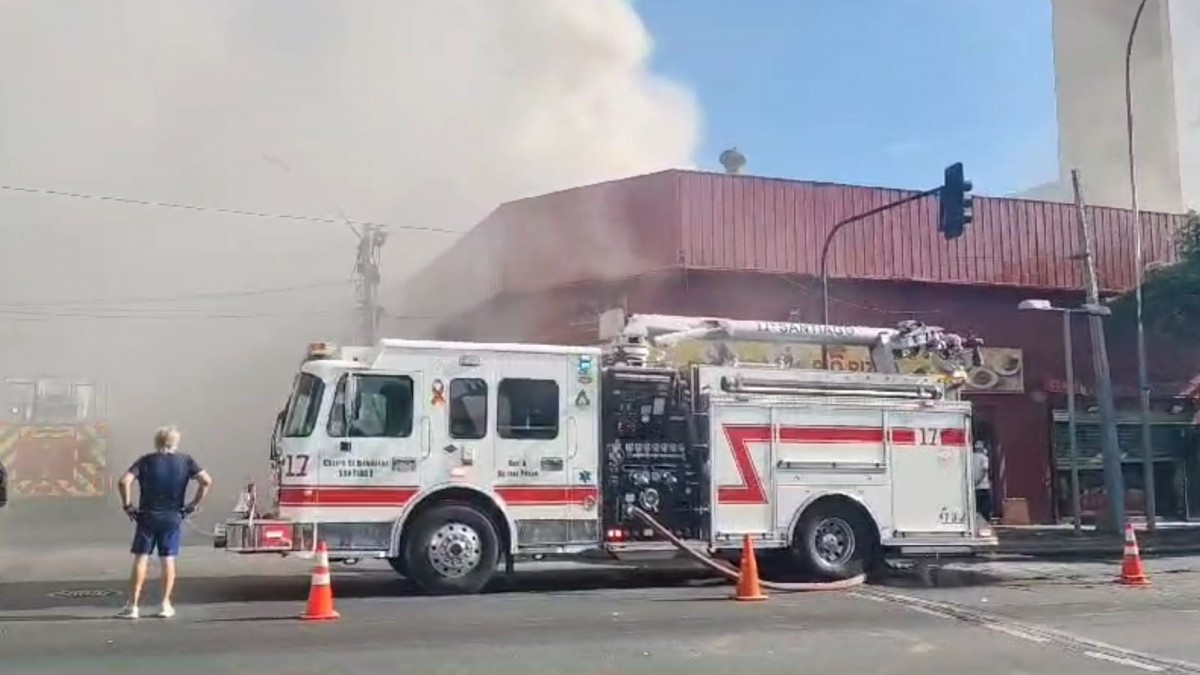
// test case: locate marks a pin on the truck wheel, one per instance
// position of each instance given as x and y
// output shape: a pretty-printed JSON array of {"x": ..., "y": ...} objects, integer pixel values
[
  {"x": 452, "y": 549},
  {"x": 398, "y": 565},
  {"x": 832, "y": 542}
]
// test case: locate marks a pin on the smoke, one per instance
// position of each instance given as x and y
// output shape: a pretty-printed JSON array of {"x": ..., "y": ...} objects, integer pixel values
[
  {"x": 421, "y": 114},
  {"x": 1185, "y": 45},
  {"x": 1090, "y": 42}
]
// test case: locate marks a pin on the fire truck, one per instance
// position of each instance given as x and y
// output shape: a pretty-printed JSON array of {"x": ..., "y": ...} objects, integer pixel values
[
  {"x": 447, "y": 458},
  {"x": 54, "y": 438}
]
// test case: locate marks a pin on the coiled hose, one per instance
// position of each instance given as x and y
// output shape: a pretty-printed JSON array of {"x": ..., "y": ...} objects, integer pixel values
[{"x": 728, "y": 571}]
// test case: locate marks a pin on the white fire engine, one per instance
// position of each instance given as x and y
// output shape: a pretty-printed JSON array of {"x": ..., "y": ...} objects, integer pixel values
[{"x": 449, "y": 458}]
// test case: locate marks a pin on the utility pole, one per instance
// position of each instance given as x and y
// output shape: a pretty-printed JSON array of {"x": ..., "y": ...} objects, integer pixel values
[
  {"x": 366, "y": 276},
  {"x": 1114, "y": 481}
]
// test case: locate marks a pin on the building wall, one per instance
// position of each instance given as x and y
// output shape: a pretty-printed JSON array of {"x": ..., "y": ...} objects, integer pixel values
[{"x": 1021, "y": 422}]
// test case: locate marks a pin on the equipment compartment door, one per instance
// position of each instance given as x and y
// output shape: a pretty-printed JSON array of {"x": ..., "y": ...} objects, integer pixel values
[
  {"x": 373, "y": 454},
  {"x": 583, "y": 447},
  {"x": 743, "y": 450},
  {"x": 531, "y": 445},
  {"x": 931, "y": 463}
]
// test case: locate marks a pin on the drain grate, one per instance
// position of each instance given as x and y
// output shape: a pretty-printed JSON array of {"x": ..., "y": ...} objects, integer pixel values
[{"x": 84, "y": 593}]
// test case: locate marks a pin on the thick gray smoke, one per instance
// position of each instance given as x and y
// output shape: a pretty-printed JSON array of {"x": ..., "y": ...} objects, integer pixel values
[
  {"x": 423, "y": 113},
  {"x": 1185, "y": 43},
  {"x": 1090, "y": 41}
]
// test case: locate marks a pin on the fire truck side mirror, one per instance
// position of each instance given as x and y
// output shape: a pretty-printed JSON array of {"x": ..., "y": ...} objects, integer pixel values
[{"x": 3, "y": 487}]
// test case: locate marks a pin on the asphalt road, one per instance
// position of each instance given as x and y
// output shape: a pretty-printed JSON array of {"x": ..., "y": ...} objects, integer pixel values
[{"x": 237, "y": 615}]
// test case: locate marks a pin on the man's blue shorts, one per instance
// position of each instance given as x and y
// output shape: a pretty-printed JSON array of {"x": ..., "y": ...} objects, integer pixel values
[{"x": 160, "y": 533}]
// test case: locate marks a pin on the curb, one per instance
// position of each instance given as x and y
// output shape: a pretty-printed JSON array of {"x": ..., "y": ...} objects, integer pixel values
[
  {"x": 1096, "y": 552},
  {"x": 923, "y": 575}
]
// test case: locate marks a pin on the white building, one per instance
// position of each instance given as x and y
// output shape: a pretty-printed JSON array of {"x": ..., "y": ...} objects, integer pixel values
[{"x": 1090, "y": 37}]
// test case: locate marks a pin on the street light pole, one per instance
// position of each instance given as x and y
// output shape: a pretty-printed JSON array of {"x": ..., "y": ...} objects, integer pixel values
[
  {"x": 1139, "y": 258},
  {"x": 1093, "y": 310},
  {"x": 1069, "y": 350}
]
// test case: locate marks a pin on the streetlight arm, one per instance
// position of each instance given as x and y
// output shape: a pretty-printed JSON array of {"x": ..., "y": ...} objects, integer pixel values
[{"x": 1129, "y": 118}]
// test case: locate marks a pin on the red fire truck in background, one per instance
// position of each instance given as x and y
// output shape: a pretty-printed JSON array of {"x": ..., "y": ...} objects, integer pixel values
[{"x": 54, "y": 438}]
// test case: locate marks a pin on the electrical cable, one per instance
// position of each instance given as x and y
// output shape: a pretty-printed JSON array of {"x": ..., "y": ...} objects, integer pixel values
[
  {"x": 34, "y": 315},
  {"x": 46, "y": 192},
  {"x": 878, "y": 310},
  {"x": 175, "y": 298}
]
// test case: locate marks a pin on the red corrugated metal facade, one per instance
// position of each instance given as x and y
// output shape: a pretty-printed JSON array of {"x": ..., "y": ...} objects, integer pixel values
[
  {"x": 762, "y": 224},
  {"x": 684, "y": 219}
]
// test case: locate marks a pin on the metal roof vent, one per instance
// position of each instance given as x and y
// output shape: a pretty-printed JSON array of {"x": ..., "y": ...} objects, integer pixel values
[{"x": 733, "y": 161}]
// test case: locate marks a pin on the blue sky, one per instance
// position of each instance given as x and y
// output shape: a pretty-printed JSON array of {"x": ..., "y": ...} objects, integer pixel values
[{"x": 875, "y": 92}]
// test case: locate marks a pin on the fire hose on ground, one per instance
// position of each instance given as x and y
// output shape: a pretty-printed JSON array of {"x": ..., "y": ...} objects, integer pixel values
[{"x": 728, "y": 571}]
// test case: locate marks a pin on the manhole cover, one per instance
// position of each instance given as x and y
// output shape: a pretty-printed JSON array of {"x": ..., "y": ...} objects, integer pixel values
[{"x": 84, "y": 593}]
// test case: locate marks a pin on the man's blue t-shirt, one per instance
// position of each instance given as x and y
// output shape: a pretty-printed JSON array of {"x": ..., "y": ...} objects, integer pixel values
[{"x": 162, "y": 482}]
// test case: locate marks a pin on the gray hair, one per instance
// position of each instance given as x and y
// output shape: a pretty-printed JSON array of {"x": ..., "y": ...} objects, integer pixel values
[{"x": 166, "y": 438}]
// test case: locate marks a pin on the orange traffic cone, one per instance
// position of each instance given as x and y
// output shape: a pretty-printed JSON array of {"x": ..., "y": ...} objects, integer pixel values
[
  {"x": 1132, "y": 572},
  {"x": 748, "y": 587},
  {"x": 320, "y": 593}
]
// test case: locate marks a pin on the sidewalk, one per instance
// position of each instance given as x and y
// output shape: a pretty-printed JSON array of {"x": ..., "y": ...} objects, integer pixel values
[{"x": 1062, "y": 541}]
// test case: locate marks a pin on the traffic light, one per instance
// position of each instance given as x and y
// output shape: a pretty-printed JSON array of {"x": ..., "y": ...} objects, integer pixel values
[{"x": 956, "y": 210}]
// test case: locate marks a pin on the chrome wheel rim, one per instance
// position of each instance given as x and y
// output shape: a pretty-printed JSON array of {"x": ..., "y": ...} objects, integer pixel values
[
  {"x": 834, "y": 541},
  {"x": 455, "y": 550}
]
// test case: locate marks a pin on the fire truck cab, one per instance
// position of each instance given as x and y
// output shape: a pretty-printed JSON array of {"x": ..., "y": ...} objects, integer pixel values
[{"x": 447, "y": 458}]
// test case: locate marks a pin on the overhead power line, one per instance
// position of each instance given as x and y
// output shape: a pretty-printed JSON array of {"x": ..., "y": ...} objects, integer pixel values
[
  {"x": 36, "y": 315},
  {"x": 210, "y": 209},
  {"x": 173, "y": 298}
]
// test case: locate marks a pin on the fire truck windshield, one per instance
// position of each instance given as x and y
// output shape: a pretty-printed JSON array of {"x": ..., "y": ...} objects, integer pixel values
[{"x": 301, "y": 415}]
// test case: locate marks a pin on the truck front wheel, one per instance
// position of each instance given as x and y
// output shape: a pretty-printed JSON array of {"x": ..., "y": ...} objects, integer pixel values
[
  {"x": 398, "y": 564},
  {"x": 452, "y": 549}
]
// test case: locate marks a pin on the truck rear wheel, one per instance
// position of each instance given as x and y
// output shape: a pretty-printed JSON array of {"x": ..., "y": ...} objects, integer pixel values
[
  {"x": 832, "y": 542},
  {"x": 452, "y": 549}
]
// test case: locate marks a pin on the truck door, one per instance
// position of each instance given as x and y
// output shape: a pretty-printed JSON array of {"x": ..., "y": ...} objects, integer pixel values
[
  {"x": 461, "y": 399},
  {"x": 376, "y": 444},
  {"x": 532, "y": 472},
  {"x": 930, "y": 464}
]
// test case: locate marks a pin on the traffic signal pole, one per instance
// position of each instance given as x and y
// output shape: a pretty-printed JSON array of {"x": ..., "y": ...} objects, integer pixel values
[
  {"x": 848, "y": 221},
  {"x": 955, "y": 212}
]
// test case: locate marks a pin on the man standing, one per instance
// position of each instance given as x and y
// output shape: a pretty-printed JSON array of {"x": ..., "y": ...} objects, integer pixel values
[
  {"x": 163, "y": 478},
  {"x": 980, "y": 470}
]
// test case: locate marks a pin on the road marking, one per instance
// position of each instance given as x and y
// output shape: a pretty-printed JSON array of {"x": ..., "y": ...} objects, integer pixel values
[
  {"x": 922, "y": 610},
  {"x": 83, "y": 593},
  {"x": 1015, "y": 633},
  {"x": 932, "y": 612},
  {"x": 1125, "y": 662},
  {"x": 1037, "y": 633}
]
